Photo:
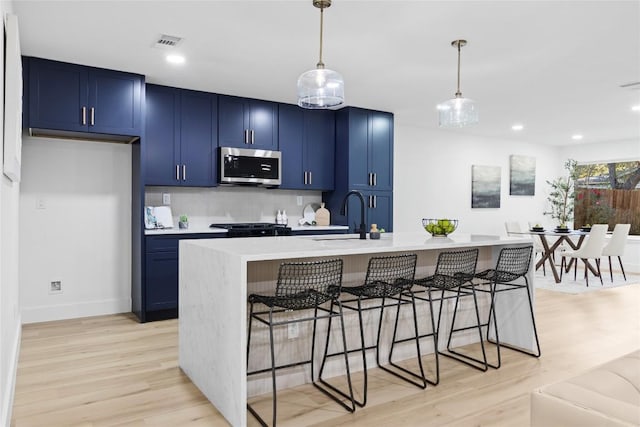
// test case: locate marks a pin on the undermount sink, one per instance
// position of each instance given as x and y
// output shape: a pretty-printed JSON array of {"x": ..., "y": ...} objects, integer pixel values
[{"x": 324, "y": 239}]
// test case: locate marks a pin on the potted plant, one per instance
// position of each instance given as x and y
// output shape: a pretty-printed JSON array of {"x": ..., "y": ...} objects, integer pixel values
[
  {"x": 183, "y": 222},
  {"x": 562, "y": 195}
]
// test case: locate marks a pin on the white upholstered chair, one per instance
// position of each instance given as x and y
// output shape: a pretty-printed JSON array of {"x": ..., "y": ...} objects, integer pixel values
[
  {"x": 616, "y": 245},
  {"x": 591, "y": 249},
  {"x": 514, "y": 227}
]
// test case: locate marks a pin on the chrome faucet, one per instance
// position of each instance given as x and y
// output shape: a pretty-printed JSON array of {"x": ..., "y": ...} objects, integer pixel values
[{"x": 343, "y": 210}]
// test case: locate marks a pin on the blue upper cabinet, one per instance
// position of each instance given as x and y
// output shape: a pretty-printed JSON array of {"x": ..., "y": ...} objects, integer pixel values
[
  {"x": 307, "y": 141},
  {"x": 370, "y": 136},
  {"x": 247, "y": 123},
  {"x": 74, "y": 98},
  {"x": 181, "y": 137},
  {"x": 363, "y": 162}
]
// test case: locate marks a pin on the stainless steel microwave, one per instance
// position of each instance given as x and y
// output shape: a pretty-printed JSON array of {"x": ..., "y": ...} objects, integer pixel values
[{"x": 248, "y": 166}]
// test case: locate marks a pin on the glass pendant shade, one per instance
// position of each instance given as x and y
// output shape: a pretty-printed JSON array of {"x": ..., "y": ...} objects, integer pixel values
[
  {"x": 320, "y": 88},
  {"x": 457, "y": 112}
]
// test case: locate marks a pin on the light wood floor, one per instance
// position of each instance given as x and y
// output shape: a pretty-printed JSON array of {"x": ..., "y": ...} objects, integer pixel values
[{"x": 111, "y": 370}]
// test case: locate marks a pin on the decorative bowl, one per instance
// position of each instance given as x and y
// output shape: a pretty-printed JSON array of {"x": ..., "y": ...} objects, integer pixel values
[
  {"x": 585, "y": 228},
  {"x": 537, "y": 229},
  {"x": 562, "y": 230},
  {"x": 439, "y": 227}
]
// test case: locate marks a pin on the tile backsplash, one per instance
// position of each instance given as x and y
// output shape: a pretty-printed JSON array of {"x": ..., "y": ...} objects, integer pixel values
[{"x": 204, "y": 206}]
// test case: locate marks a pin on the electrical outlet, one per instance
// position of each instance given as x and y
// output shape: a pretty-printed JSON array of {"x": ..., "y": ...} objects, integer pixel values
[
  {"x": 299, "y": 200},
  {"x": 293, "y": 330},
  {"x": 166, "y": 198},
  {"x": 40, "y": 204},
  {"x": 55, "y": 287}
]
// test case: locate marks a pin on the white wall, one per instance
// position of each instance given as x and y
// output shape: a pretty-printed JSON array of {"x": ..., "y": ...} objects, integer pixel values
[
  {"x": 9, "y": 299},
  {"x": 75, "y": 227},
  {"x": 432, "y": 179}
]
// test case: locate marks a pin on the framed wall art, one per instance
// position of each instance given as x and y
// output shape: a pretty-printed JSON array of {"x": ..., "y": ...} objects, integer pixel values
[
  {"x": 485, "y": 186},
  {"x": 522, "y": 177}
]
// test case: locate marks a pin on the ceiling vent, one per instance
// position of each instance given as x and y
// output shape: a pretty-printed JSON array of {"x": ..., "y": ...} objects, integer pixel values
[
  {"x": 167, "y": 42},
  {"x": 631, "y": 86}
]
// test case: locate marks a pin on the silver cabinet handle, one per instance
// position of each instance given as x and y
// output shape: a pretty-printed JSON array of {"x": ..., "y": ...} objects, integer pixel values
[
  {"x": 177, "y": 172},
  {"x": 253, "y": 139},
  {"x": 305, "y": 178},
  {"x": 92, "y": 115},
  {"x": 375, "y": 180},
  {"x": 369, "y": 179},
  {"x": 246, "y": 136},
  {"x": 310, "y": 178},
  {"x": 84, "y": 116},
  {"x": 375, "y": 202},
  {"x": 369, "y": 202},
  {"x": 184, "y": 172}
]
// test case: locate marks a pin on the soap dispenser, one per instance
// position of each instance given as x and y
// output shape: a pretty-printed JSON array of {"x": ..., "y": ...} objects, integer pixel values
[
  {"x": 279, "y": 217},
  {"x": 284, "y": 220},
  {"x": 374, "y": 233}
]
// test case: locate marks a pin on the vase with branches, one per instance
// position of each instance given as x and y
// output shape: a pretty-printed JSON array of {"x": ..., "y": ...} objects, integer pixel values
[{"x": 562, "y": 195}]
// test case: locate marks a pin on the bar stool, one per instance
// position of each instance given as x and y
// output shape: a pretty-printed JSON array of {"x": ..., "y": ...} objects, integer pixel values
[
  {"x": 512, "y": 264},
  {"x": 302, "y": 286},
  {"x": 453, "y": 278},
  {"x": 388, "y": 277}
]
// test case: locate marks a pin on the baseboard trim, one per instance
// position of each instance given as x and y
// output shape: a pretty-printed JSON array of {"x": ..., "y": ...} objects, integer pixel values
[
  {"x": 8, "y": 394},
  {"x": 74, "y": 310}
]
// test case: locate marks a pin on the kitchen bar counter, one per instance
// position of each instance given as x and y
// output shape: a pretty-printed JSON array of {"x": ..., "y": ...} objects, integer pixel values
[{"x": 216, "y": 275}]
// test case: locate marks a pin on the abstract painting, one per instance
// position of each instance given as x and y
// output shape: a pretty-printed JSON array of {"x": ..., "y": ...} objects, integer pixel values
[
  {"x": 485, "y": 186},
  {"x": 523, "y": 176}
]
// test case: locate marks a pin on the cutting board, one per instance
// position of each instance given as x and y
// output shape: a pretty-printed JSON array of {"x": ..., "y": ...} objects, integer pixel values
[{"x": 323, "y": 216}]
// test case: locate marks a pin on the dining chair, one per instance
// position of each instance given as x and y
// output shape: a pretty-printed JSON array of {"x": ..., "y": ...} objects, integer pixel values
[
  {"x": 616, "y": 246},
  {"x": 590, "y": 249},
  {"x": 514, "y": 227}
]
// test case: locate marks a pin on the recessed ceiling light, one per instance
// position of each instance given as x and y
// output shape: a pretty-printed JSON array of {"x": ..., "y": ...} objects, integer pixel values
[
  {"x": 635, "y": 108},
  {"x": 517, "y": 127},
  {"x": 576, "y": 137},
  {"x": 175, "y": 59}
]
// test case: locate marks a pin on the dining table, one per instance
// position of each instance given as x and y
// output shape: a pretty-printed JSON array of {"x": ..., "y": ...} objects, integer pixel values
[{"x": 549, "y": 246}]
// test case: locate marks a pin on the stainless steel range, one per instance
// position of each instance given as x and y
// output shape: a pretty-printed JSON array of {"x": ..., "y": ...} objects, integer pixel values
[{"x": 255, "y": 229}]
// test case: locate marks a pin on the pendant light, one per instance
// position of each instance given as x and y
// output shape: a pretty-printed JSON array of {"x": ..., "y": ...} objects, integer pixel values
[
  {"x": 459, "y": 111},
  {"x": 321, "y": 87}
]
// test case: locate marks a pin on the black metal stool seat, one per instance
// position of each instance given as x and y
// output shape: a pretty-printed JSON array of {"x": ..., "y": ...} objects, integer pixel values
[
  {"x": 512, "y": 264},
  {"x": 453, "y": 275},
  {"x": 302, "y": 286},
  {"x": 388, "y": 278}
]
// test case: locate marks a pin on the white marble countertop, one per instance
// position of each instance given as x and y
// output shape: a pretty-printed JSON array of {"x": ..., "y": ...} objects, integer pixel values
[
  {"x": 282, "y": 247},
  {"x": 195, "y": 229}
]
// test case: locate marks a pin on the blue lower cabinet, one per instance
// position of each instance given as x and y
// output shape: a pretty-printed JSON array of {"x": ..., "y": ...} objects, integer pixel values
[
  {"x": 312, "y": 232},
  {"x": 160, "y": 283}
]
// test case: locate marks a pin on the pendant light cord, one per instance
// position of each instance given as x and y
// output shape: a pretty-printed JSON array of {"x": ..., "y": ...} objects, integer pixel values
[
  {"x": 320, "y": 63},
  {"x": 458, "y": 93}
]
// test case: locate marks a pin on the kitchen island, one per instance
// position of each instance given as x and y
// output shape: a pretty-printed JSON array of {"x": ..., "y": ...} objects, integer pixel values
[{"x": 215, "y": 277}]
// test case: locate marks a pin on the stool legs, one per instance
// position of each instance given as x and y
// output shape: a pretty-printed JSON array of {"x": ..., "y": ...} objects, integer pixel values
[
  {"x": 492, "y": 316},
  {"x": 461, "y": 357}
]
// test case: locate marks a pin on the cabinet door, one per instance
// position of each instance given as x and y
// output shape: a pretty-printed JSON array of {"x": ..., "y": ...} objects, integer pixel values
[
  {"x": 319, "y": 146},
  {"x": 198, "y": 118},
  {"x": 161, "y": 286},
  {"x": 114, "y": 102},
  {"x": 380, "y": 209},
  {"x": 57, "y": 94},
  {"x": 291, "y": 140},
  {"x": 232, "y": 128},
  {"x": 358, "y": 149},
  {"x": 263, "y": 124},
  {"x": 162, "y": 136},
  {"x": 381, "y": 150}
]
